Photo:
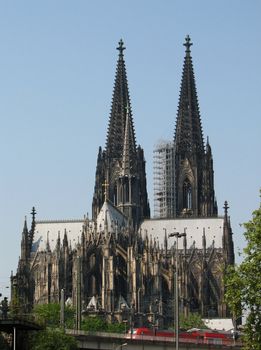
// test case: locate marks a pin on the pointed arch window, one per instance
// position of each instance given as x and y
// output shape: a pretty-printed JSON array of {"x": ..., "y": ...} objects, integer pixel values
[
  {"x": 115, "y": 195},
  {"x": 127, "y": 189},
  {"x": 187, "y": 195}
]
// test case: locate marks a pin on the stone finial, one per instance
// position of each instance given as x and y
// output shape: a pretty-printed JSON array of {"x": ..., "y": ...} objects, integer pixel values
[
  {"x": 121, "y": 47},
  {"x": 187, "y": 44},
  {"x": 33, "y": 213},
  {"x": 226, "y": 207}
]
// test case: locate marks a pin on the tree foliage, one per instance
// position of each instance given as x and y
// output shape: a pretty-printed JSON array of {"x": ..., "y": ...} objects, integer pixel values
[
  {"x": 53, "y": 338},
  {"x": 243, "y": 283},
  {"x": 98, "y": 324},
  {"x": 94, "y": 324},
  {"x": 193, "y": 320},
  {"x": 49, "y": 315},
  {"x": 116, "y": 327}
]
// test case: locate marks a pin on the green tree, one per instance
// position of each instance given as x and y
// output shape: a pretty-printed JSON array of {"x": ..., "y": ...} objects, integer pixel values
[
  {"x": 193, "y": 320},
  {"x": 49, "y": 315},
  {"x": 116, "y": 327},
  {"x": 243, "y": 284},
  {"x": 51, "y": 339},
  {"x": 98, "y": 324},
  {"x": 94, "y": 324}
]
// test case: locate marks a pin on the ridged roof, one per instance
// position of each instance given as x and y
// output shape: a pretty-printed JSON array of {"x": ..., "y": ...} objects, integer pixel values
[{"x": 109, "y": 215}]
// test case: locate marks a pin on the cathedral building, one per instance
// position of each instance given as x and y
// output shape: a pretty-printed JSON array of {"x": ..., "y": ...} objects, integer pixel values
[{"x": 121, "y": 263}]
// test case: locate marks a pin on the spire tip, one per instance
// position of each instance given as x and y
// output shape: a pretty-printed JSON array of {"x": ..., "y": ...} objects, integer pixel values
[
  {"x": 226, "y": 207},
  {"x": 187, "y": 44},
  {"x": 121, "y": 47}
]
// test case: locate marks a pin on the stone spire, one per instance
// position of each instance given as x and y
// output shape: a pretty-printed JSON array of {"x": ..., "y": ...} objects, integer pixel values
[
  {"x": 25, "y": 243},
  {"x": 188, "y": 134},
  {"x": 194, "y": 174},
  {"x": 228, "y": 245},
  {"x": 120, "y": 100},
  {"x": 122, "y": 163},
  {"x": 65, "y": 239},
  {"x": 31, "y": 233},
  {"x": 129, "y": 148}
]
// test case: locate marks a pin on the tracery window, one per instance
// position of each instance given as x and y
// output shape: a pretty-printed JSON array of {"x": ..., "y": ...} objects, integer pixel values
[{"x": 187, "y": 195}]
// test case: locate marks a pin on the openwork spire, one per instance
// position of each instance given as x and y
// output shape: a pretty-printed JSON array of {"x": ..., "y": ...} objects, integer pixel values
[
  {"x": 128, "y": 147},
  {"x": 194, "y": 174},
  {"x": 121, "y": 164},
  {"x": 188, "y": 134},
  {"x": 117, "y": 121}
]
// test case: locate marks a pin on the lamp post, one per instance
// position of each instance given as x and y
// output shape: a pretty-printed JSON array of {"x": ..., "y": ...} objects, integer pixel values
[{"x": 177, "y": 235}]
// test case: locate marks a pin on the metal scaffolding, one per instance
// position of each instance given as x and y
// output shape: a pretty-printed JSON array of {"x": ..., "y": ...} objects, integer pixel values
[{"x": 164, "y": 179}]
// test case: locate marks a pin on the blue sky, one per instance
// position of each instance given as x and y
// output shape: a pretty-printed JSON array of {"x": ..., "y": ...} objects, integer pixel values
[{"x": 57, "y": 67}]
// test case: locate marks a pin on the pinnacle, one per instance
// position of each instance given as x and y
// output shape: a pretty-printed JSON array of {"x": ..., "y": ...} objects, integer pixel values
[
  {"x": 187, "y": 44},
  {"x": 121, "y": 47}
]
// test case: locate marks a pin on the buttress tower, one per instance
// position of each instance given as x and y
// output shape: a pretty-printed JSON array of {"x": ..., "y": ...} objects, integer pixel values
[
  {"x": 194, "y": 174},
  {"x": 120, "y": 171}
]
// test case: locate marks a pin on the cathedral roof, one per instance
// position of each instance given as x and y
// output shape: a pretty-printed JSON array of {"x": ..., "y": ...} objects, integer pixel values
[
  {"x": 109, "y": 215},
  {"x": 194, "y": 227},
  {"x": 49, "y": 231},
  {"x": 119, "y": 106},
  {"x": 188, "y": 134}
]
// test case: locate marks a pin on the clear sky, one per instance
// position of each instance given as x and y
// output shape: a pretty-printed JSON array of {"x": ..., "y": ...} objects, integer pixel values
[{"x": 57, "y": 68}]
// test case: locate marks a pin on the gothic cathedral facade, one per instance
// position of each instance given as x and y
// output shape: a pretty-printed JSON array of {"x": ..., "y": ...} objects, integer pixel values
[{"x": 121, "y": 263}]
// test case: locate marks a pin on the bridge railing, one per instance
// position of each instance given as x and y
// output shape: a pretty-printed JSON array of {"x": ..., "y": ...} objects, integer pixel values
[
  {"x": 95, "y": 334},
  {"x": 150, "y": 338}
]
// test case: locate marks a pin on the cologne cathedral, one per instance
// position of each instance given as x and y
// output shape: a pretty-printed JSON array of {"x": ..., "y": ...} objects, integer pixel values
[{"x": 121, "y": 263}]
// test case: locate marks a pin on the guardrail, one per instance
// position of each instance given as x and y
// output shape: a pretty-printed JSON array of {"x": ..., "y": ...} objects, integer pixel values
[{"x": 150, "y": 338}]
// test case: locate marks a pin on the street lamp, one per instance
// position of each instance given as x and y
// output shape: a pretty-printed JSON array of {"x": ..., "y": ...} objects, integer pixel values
[{"x": 177, "y": 235}]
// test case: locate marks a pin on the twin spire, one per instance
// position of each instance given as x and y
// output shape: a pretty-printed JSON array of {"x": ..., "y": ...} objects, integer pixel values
[
  {"x": 121, "y": 142},
  {"x": 121, "y": 166},
  {"x": 120, "y": 135},
  {"x": 122, "y": 158},
  {"x": 188, "y": 134}
]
